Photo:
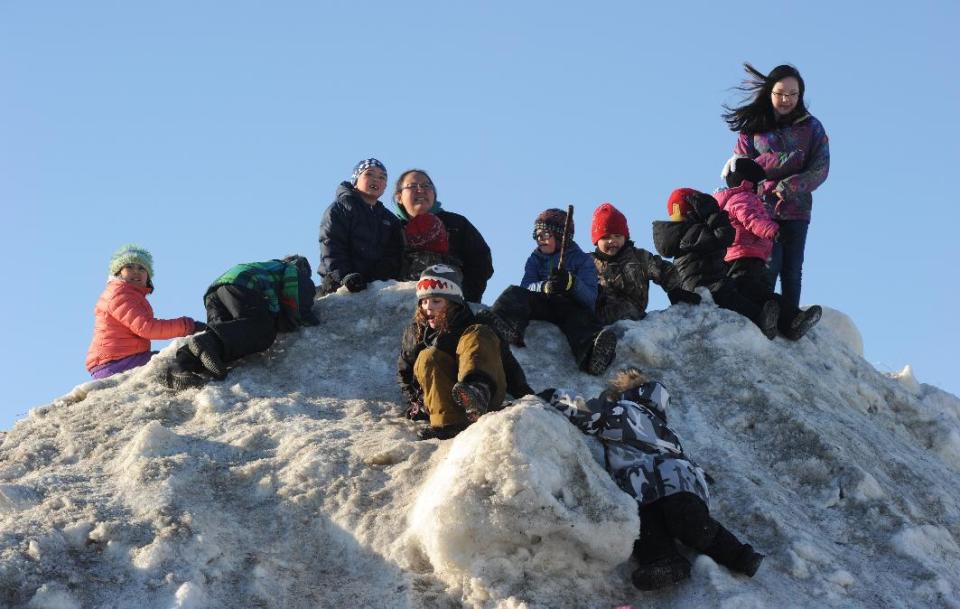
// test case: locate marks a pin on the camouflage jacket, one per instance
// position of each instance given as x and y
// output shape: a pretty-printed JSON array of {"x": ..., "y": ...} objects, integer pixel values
[
  {"x": 642, "y": 454},
  {"x": 624, "y": 282}
]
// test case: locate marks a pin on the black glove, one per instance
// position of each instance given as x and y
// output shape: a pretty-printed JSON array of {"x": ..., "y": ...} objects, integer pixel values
[
  {"x": 354, "y": 282},
  {"x": 199, "y": 326},
  {"x": 559, "y": 283},
  {"x": 680, "y": 295}
]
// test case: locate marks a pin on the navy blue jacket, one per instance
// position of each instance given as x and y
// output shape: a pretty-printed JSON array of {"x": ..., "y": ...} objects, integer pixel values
[
  {"x": 539, "y": 265},
  {"x": 358, "y": 238}
]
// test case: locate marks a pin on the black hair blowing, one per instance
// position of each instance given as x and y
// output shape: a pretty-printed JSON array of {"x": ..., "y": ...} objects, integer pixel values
[{"x": 757, "y": 115}]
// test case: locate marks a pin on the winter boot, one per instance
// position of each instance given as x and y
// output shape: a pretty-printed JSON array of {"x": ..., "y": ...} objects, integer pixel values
[
  {"x": 661, "y": 572},
  {"x": 440, "y": 433},
  {"x": 504, "y": 328},
  {"x": 659, "y": 564},
  {"x": 209, "y": 350},
  {"x": 176, "y": 378},
  {"x": 727, "y": 550},
  {"x": 473, "y": 397},
  {"x": 802, "y": 323},
  {"x": 767, "y": 321},
  {"x": 603, "y": 351}
]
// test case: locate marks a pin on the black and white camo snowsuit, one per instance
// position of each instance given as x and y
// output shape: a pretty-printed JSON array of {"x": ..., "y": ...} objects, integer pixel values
[{"x": 641, "y": 453}]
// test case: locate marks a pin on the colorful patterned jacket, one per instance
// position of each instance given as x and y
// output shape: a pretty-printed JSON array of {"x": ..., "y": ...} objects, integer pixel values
[
  {"x": 753, "y": 227},
  {"x": 277, "y": 282},
  {"x": 643, "y": 456},
  {"x": 797, "y": 160},
  {"x": 124, "y": 324}
]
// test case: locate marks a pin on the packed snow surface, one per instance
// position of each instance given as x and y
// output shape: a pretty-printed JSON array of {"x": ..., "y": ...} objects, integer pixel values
[{"x": 297, "y": 483}]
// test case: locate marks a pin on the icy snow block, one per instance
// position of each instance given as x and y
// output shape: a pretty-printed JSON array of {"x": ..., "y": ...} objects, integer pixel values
[{"x": 519, "y": 499}]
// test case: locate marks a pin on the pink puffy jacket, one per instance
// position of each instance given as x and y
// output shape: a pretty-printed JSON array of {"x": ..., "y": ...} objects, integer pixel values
[
  {"x": 124, "y": 324},
  {"x": 754, "y": 228}
]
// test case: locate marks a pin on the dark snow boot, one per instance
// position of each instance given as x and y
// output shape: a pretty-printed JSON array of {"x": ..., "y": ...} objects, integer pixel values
[
  {"x": 473, "y": 397},
  {"x": 661, "y": 572},
  {"x": 603, "y": 351},
  {"x": 727, "y": 550},
  {"x": 504, "y": 328},
  {"x": 767, "y": 321},
  {"x": 176, "y": 378},
  {"x": 209, "y": 350},
  {"x": 440, "y": 433},
  {"x": 803, "y": 322}
]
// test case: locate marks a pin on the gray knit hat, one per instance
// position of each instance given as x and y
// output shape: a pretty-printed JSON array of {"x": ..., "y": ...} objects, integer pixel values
[
  {"x": 131, "y": 254},
  {"x": 440, "y": 280}
]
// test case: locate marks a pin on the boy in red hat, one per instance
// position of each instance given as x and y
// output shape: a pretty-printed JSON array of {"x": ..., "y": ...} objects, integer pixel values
[
  {"x": 697, "y": 238},
  {"x": 624, "y": 271}
]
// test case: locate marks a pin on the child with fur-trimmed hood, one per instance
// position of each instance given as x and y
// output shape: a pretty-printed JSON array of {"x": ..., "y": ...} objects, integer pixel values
[
  {"x": 646, "y": 460},
  {"x": 624, "y": 271},
  {"x": 452, "y": 367}
]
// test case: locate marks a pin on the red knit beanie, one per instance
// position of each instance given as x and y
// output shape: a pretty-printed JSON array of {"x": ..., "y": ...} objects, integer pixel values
[
  {"x": 677, "y": 206},
  {"x": 607, "y": 220},
  {"x": 427, "y": 233}
]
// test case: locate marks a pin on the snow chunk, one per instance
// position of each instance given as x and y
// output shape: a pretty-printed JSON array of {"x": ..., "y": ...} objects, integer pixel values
[
  {"x": 154, "y": 440},
  {"x": 190, "y": 596},
  {"x": 928, "y": 544},
  {"x": 16, "y": 497},
  {"x": 907, "y": 379},
  {"x": 52, "y": 596},
  {"x": 77, "y": 534},
  {"x": 519, "y": 503},
  {"x": 841, "y": 329}
]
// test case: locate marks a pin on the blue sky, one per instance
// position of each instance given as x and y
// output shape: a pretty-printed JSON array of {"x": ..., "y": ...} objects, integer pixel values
[{"x": 215, "y": 134}]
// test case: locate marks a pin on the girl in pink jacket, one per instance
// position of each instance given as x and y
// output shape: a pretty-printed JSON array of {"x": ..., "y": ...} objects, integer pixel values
[
  {"x": 123, "y": 319},
  {"x": 753, "y": 243}
]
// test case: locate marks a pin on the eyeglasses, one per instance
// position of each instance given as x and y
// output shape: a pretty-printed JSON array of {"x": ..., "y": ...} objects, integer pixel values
[
  {"x": 417, "y": 186},
  {"x": 542, "y": 235},
  {"x": 784, "y": 95}
]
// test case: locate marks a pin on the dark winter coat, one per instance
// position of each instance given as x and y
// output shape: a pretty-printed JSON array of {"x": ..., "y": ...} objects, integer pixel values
[
  {"x": 624, "y": 282},
  {"x": 576, "y": 261},
  {"x": 642, "y": 454},
  {"x": 416, "y": 338},
  {"x": 698, "y": 243},
  {"x": 466, "y": 245},
  {"x": 416, "y": 261},
  {"x": 796, "y": 159},
  {"x": 358, "y": 238}
]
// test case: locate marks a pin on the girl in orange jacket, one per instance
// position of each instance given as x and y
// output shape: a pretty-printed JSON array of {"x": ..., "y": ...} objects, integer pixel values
[{"x": 123, "y": 319}]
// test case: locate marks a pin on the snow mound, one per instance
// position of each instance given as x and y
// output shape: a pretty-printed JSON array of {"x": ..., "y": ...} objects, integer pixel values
[
  {"x": 297, "y": 483},
  {"x": 520, "y": 493}
]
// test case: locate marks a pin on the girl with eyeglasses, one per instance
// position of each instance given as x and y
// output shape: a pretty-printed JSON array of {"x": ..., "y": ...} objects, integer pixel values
[{"x": 790, "y": 144}]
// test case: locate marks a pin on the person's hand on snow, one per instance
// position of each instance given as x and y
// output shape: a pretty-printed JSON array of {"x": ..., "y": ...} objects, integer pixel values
[{"x": 677, "y": 295}]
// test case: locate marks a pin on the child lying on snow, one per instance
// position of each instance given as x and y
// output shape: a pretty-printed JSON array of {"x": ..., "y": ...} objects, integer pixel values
[{"x": 645, "y": 459}]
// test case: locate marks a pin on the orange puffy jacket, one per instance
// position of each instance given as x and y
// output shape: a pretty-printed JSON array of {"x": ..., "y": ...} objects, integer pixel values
[{"x": 124, "y": 324}]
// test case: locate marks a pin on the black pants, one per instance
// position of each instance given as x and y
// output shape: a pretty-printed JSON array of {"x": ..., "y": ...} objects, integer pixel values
[
  {"x": 752, "y": 279},
  {"x": 518, "y": 306},
  {"x": 239, "y": 317},
  {"x": 686, "y": 517}
]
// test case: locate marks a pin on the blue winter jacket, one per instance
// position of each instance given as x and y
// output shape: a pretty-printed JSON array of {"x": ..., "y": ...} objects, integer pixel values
[
  {"x": 359, "y": 238},
  {"x": 539, "y": 266}
]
